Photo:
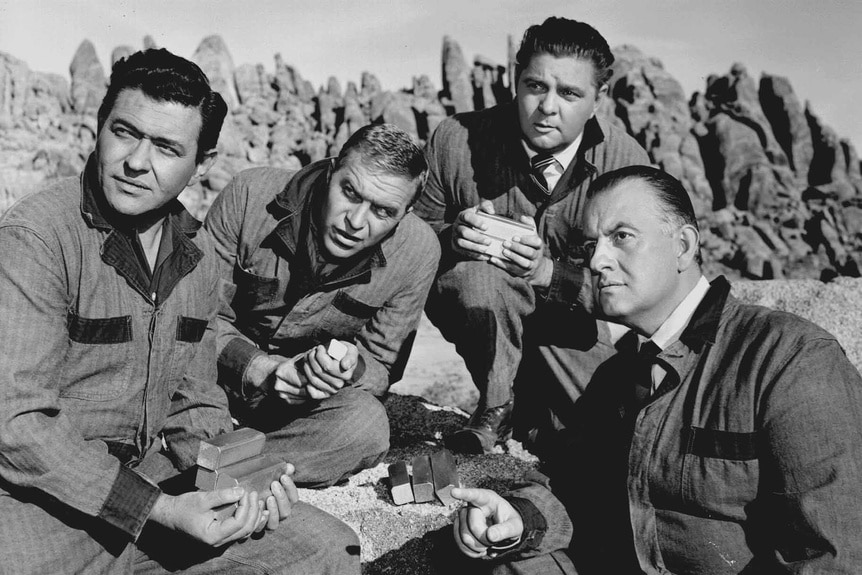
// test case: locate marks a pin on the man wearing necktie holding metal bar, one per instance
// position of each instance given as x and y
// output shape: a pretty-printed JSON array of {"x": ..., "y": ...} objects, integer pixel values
[{"x": 531, "y": 161}]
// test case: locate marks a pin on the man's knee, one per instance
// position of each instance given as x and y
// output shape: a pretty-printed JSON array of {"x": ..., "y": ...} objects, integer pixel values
[
  {"x": 363, "y": 423},
  {"x": 352, "y": 434},
  {"x": 308, "y": 541},
  {"x": 477, "y": 292},
  {"x": 336, "y": 548}
]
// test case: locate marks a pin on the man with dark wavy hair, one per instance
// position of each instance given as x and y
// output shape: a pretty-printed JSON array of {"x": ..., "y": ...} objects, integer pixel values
[
  {"x": 330, "y": 252},
  {"x": 108, "y": 372},
  {"x": 532, "y": 161}
]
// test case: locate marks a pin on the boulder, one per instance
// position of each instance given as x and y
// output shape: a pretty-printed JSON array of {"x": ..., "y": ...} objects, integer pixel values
[
  {"x": 653, "y": 108},
  {"x": 789, "y": 125},
  {"x": 88, "y": 79},
  {"x": 828, "y": 165},
  {"x": 745, "y": 164},
  {"x": 395, "y": 108},
  {"x": 121, "y": 52},
  {"x": 457, "y": 94},
  {"x": 489, "y": 87},
  {"x": 253, "y": 85},
  {"x": 14, "y": 85},
  {"x": 215, "y": 60}
]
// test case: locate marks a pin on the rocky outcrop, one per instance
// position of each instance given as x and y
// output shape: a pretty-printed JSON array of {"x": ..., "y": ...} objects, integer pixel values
[
  {"x": 457, "y": 94},
  {"x": 89, "y": 83},
  {"x": 778, "y": 193},
  {"x": 215, "y": 60},
  {"x": 789, "y": 124},
  {"x": 755, "y": 171},
  {"x": 119, "y": 53},
  {"x": 652, "y": 106},
  {"x": 489, "y": 87}
]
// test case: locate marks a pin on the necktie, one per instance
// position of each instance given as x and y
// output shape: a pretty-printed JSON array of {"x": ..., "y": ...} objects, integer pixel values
[
  {"x": 643, "y": 372},
  {"x": 538, "y": 163}
]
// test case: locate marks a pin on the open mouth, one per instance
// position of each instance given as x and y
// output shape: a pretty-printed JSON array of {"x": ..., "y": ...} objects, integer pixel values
[{"x": 343, "y": 238}]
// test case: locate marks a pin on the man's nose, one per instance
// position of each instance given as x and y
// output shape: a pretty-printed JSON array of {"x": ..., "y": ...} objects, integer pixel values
[
  {"x": 138, "y": 159},
  {"x": 548, "y": 103},
  {"x": 357, "y": 216},
  {"x": 601, "y": 258}
]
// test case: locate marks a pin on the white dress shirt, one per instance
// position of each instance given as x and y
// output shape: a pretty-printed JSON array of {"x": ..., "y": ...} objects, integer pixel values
[
  {"x": 670, "y": 330},
  {"x": 555, "y": 170}
]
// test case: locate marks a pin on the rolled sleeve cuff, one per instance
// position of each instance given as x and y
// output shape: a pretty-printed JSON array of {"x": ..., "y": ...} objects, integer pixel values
[
  {"x": 130, "y": 502},
  {"x": 535, "y": 525},
  {"x": 234, "y": 361},
  {"x": 569, "y": 285}
]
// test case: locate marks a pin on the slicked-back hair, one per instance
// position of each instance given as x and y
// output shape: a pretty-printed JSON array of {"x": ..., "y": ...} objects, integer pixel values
[
  {"x": 388, "y": 149},
  {"x": 561, "y": 37},
  {"x": 673, "y": 200},
  {"x": 166, "y": 77}
]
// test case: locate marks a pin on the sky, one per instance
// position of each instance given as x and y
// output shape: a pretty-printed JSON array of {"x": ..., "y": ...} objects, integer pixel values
[{"x": 815, "y": 44}]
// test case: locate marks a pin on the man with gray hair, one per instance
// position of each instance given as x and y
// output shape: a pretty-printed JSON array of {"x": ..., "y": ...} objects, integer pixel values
[
  {"x": 722, "y": 438},
  {"x": 330, "y": 252}
]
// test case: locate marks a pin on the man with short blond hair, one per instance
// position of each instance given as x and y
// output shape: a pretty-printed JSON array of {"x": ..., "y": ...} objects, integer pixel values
[{"x": 329, "y": 252}]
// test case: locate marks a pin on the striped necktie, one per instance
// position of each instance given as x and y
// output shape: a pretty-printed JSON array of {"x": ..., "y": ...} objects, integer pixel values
[{"x": 538, "y": 163}]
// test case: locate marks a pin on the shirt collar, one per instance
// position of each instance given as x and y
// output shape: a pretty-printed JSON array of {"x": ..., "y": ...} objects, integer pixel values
[
  {"x": 615, "y": 330},
  {"x": 678, "y": 320},
  {"x": 294, "y": 208},
  {"x": 564, "y": 157}
]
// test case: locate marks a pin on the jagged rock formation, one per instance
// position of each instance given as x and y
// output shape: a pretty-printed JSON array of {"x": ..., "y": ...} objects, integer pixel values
[
  {"x": 651, "y": 105},
  {"x": 778, "y": 193},
  {"x": 457, "y": 94},
  {"x": 214, "y": 59},
  {"x": 89, "y": 83}
]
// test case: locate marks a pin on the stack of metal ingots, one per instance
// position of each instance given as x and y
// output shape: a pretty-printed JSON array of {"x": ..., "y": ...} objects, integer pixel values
[
  {"x": 233, "y": 459},
  {"x": 432, "y": 475}
]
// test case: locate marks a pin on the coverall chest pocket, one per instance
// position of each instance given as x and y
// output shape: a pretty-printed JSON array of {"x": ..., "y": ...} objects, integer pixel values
[
  {"x": 344, "y": 317},
  {"x": 255, "y": 292},
  {"x": 188, "y": 334},
  {"x": 99, "y": 360},
  {"x": 720, "y": 471}
]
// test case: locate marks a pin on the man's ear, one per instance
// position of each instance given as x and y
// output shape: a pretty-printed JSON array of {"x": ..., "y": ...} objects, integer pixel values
[
  {"x": 689, "y": 244},
  {"x": 208, "y": 161},
  {"x": 603, "y": 91}
]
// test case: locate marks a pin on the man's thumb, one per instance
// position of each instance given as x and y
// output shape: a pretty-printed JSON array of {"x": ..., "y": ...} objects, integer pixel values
[{"x": 224, "y": 496}]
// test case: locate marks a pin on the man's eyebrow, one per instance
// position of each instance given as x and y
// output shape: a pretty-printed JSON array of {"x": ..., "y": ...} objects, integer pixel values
[
  {"x": 155, "y": 139},
  {"x": 572, "y": 87},
  {"x": 168, "y": 142},
  {"x": 392, "y": 206}
]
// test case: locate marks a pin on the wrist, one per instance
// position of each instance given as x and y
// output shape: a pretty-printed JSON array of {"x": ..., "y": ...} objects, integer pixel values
[
  {"x": 544, "y": 273},
  {"x": 162, "y": 511},
  {"x": 258, "y": 371}
]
